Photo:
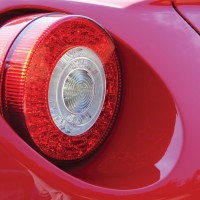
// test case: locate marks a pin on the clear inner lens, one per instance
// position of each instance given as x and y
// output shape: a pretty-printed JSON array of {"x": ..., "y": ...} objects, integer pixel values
[{"x": 78, "y": 91}]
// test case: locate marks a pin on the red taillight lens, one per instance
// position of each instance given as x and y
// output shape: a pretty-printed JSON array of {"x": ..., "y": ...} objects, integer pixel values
[
  {"x": 7, "y": 34},
  {"x": 61, "y": 85}
]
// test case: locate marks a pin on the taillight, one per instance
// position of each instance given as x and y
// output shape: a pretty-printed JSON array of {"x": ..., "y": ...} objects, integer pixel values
[
  {"x": 7, "y": 34},
  {"x": 61, "y": 85}
]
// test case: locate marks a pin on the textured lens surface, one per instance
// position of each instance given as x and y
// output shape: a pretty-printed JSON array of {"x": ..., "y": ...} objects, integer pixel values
[
  {"x": 8, "y": 32},
  {"x": 77, "y": 91}
]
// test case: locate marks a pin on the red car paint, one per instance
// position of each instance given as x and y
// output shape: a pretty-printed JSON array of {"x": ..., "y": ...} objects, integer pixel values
[
  {"x": 190, "y": 11},
  {"x": 160, "y": 61}
]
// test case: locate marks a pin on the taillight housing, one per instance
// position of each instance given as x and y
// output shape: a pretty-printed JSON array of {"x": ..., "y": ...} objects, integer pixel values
[{"x": 61, "y": 85}]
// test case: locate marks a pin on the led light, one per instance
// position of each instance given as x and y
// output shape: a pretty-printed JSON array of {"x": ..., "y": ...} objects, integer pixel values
[{"x": 62, "y": 84}]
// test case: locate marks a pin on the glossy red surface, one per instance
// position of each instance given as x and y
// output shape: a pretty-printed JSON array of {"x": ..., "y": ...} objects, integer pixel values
[
  {"x": 160, "y": 50},
  {"x": 190, "y": 11},
  {"x": 15, "y": 180}
]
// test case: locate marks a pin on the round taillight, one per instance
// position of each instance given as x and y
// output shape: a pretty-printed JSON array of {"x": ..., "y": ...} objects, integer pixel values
[{"x": 62, "y": 86}]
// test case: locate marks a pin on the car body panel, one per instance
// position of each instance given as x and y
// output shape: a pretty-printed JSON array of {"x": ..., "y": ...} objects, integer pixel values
[
  {"x": 190, "y": 11},
  {"x": 157, "y": 34}
]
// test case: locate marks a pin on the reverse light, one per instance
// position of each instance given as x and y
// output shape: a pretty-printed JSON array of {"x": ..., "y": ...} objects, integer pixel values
[
  {"x": 61, "y": 85},
  {"x": 77, "y": 91}
]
